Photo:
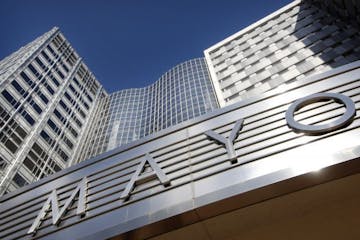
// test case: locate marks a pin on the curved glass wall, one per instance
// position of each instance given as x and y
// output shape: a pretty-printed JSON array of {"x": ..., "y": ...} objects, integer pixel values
[{"x": 182, "y": 93}]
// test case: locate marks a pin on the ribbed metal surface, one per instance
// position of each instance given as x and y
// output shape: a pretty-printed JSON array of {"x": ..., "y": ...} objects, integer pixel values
[
  {"x": 296, "y": 41},
  {"x": 198, "y": 167}
]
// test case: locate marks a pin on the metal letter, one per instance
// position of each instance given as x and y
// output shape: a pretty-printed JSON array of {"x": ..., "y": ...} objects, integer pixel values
[
  {"x": 53, "y": 201},
  {"x": 228, "y": 142},
  {"x": 135, "y": 179},
  {"x": 345, "y": 119}
]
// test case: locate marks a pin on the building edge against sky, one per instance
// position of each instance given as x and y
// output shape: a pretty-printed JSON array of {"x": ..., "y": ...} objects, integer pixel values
[
  {"x": 54, "y": 113},
  {"x": 296, "y": 41},
  {"x": 42, "y": 134},
  {"x": 243, "y": 171},
  {"x": 284, "y": 183},
  {"x": 182, "y": 93},
  {"x": 48, "y": 100}
]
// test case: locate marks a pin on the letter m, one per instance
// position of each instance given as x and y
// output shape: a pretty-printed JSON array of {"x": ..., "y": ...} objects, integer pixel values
[{"x": 58, "y": 213}]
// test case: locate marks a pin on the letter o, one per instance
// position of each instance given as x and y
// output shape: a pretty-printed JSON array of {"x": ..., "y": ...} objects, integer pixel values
[{"x": 324, "y": 128}]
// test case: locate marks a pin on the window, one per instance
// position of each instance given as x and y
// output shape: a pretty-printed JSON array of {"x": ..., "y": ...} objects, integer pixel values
[
  {"x": 81, "y": 113},
  {"x": 27, "y": 79},
  {"x": 27, "y": 116},
  {"x": 53, "y": 126},
  {"x": 56, "y": 82},
  {"x": 4, "y": 116},
  {"x": 19, "y": 180},
  {"x": 63, "y": 105},
  {"x": 3, "y": 163},
  {"x": 60, "y": 74},
  {"x": 18, "y": 88},
  {"x": 37, "y": 108},
  {"x": 56, "y": 168},
  {"x": 47, "y": 57},
  {"x": 43, "y": 98},
  {"x": 73, "y": 90},
  {"x": 59, "y": 116},
  {"x": 11, "y": 146},
  {"x": 34, "y": 71},
  {"x": 72, "y": 59},
  {"x": 85, "y": 104},
  {"x": 41, "y": 64},
  {"x": 77, "y": 121},
  {"x": 62, "y": 154},
  {"x": 47, "y": 138},
  {"x": 72, "y": 130},
  {"x": 10, "y": 99},
  {"x": 65, "y": 67},
  {"x": 89, "y": 97},
  {"x": 77, "y": 82},
  {"x": 68, "y": 142},
  {"x": 51, "y": 91},
  {"x": 37, "y": 149},
  {"x": 52, "y": 51},
  {"x": 34, "y": 105},
  {"x": 69, "y": 98},
  {"x": 30, "y": 165}
]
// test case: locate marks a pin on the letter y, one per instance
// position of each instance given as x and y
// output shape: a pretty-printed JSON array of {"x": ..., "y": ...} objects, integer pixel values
[{"x": 228, "y": 142}]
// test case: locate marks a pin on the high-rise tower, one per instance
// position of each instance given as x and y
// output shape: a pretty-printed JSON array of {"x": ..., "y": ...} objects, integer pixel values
[
  {"x": 285, "y": 161},
  {"x": 54, "y": 113},
  {"x": 182, "y": 93},
  {"x": 48, "y": 99}
]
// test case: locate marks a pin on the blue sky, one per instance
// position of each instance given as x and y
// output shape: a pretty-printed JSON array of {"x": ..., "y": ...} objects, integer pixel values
[{"x": 130, "y": 43}]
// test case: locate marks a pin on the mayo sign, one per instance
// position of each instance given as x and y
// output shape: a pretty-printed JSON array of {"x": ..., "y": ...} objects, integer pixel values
[{"x": 227, "y": 142}]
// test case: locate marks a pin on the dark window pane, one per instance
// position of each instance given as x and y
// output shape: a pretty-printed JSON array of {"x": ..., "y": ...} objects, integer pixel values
[
  {"x": 27, "y": 79},
  {"x": 10, "y": 99},
  {"x": 51, "y": 91},
  {"x": 19, "y": 180},
  {"x": 33, "y": 70},
  {"x": 43, "y": 98}
]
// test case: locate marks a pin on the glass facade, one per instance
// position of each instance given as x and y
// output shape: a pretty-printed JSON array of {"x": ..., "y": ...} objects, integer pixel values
[
  {"x": 182, "y": 93},
  {"x": 54, "y": 113},
  {"x": 47, "y": 97}
]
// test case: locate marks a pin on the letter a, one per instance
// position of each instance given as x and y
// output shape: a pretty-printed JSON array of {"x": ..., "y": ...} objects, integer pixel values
[
  {"x": 135, "y": 179},
  {"x": 228, "y": 142}
]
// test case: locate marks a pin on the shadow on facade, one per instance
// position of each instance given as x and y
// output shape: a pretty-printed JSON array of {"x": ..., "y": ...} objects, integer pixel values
[{"x": 323, "y": 27}]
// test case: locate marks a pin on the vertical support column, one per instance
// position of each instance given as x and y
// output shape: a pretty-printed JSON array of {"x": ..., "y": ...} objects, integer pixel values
[{"x": 84, "y": 131}]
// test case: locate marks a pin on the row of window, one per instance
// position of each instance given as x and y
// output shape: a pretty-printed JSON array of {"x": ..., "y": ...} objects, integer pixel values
[
  {"x": 68, "y": 111},
  {"x": 12, "y": 134},
  {"x": 32, "y": 93},
  {"x": 88, "y": 79},
  {"x": 75, "y": 103},
  {"x": 35, "y": 163},
  {"x": 16, "y": 105},
  {"x": 51, "y": 142},
  {"x": 57, "y": 131}
]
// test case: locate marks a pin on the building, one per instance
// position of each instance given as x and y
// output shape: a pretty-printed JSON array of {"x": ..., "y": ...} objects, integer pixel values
[
  {"x": 54, "y": 113},
  {"x": 278, "y": 160},
  {"x": 47, "y": 102},
  {"x": 294, "y": 42},
  {"x": 182, "y": 93},
  {"x": 179, "y": 183}
]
